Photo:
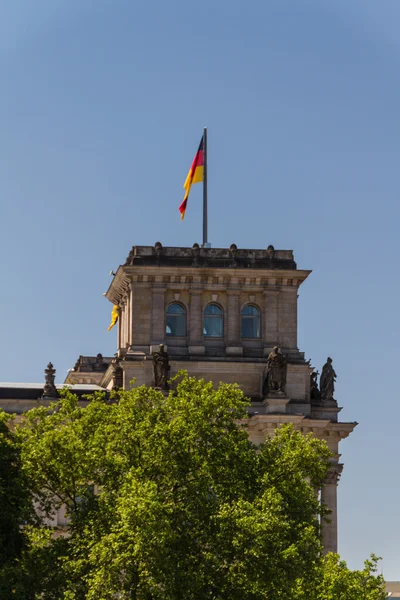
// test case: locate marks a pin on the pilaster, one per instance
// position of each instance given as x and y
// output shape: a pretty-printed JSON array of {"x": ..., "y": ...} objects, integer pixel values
[
  {"x": 195, "y": 325},
  {"x": 129, "y": 316},
  {"x": 122, "y": 318},
  {"x": 141, "y": 316},
  {"x": 287, "y": 316},
  {"x": 158, "y": 315},
  {"x": 270, "y": 333},
  {"x": 233, "y": 342}
]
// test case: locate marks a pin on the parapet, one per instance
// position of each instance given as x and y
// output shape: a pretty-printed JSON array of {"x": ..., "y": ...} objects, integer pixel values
[{"x": 232, "y": 257}]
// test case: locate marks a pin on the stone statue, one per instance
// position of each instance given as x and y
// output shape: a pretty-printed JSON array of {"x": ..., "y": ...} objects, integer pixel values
[
  {"x": 117, "y": 374},
  {"x": 50, "y": 390},
  {"x": 276, "y": 371},
  {"x": 327, "y": 381},
  {"x": 99, "y": 364},
  {"x": 161, "y": 368},
  {"x": 196, "y": 254},
  {"x": 315, "y": 394}
]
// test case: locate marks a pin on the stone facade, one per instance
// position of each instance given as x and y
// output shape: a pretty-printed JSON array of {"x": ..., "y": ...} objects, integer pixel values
[{"x": 154, "y": 278}]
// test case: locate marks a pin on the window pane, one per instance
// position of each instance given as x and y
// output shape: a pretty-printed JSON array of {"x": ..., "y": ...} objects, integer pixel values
[
  {"x": 213, "y": 321},
  {"x": 251, "y": 327},
  {"x": 213, "y": 309},
  {"x": 176, "y": 320},
  {"x": 176, "y": 325},
  {"x": 249, "y": 310},
  {"x": 175, "y": 309},
  {"x": 213, "y": 326},
  {"x": 250, "y": 322}
]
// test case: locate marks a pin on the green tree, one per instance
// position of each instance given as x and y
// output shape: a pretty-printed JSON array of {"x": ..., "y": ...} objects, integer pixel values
[
  {"x": 15, "y": 510},
  {"x": 340, "y": 583},
  {"x": 168, "y": 499}
]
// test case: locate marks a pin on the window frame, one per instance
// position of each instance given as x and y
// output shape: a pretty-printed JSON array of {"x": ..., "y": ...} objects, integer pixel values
[
  {"x": 220, "y": 316},
  {"x": 182, "y": 314},
  {"x": 250, "y": 317}
]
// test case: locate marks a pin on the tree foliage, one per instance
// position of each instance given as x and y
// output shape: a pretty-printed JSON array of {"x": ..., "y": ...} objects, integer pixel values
[
  {"x": 168, "y": 499},
  {"x": 339, "y": 583},
  {"x": 15, "y": 510}
]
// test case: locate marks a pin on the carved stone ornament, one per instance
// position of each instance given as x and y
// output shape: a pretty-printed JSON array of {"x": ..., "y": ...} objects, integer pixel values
[
  {"x": 161, "y": 369},
  {"x": 327, "y": 381},
  {"x": 233, "y": 252},
  {"x": 333, "y": 475},
  {"x": 50, "y": 390},
  {"x": 158, "y": 248},
  {"x": 196, "y": 254},
  {"x": 270, "y": 251},
  {"x": 98, "y": 366},
  {"x": 276, "y": 372}
]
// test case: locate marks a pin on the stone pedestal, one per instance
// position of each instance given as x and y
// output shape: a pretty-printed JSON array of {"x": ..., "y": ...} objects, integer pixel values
[
  {"x": 276, "y": 402},
  {"x": 325, "y": 409}
]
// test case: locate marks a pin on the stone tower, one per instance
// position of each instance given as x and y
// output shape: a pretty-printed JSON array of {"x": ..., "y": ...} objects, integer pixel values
[{"x": 219, "y": 313}]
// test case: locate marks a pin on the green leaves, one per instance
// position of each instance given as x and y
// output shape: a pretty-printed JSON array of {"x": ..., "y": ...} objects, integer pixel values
[
  {"x": 15, "y": 510},
  {"x": 339, "y": 583},
  {"x": 167, "y": 499}
]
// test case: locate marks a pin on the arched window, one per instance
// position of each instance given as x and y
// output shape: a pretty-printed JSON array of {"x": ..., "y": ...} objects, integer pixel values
[
  {"x": 213, "y": 321},
  {"x": 176, "y": 320},
  {"x": 250, "y": 317}
]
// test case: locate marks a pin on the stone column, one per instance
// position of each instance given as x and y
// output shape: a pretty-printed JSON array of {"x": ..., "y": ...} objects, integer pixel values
[
  {"x": 158, "y": 334},
  {"x": 195, "y": 325},
  {"x": 329, "y": 527},
  {"x": 233, "y": 344},
  {"x": 123, "y": 323},
  {"x": 129, "y": 317},
  {"x": 119, "y": 334},
  {"x": 270, "y": 329},
  {"x": 126, "y": 322},
  {"x": 141, "y": 317}
]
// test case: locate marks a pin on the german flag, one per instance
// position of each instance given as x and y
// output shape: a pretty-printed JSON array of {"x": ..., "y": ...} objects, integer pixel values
[{"x": 195, "y": 175}]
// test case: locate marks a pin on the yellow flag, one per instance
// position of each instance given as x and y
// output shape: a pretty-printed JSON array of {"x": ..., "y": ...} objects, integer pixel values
[{"x": 114, "y": 317}]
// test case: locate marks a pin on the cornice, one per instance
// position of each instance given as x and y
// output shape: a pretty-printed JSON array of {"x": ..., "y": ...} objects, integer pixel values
[
  {"x": 322, "y": 428},
  {"x": 215, "y": 279}
]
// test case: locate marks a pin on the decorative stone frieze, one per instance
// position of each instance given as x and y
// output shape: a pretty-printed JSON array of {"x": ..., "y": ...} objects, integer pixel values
[{"x": 50, "y": 390}]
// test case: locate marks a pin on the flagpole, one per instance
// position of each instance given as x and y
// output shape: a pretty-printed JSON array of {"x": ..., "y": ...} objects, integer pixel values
[{"x": 205, "y": 207}]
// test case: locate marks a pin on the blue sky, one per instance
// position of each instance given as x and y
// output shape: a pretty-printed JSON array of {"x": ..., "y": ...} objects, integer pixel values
[{"x": 101, "y": 110}]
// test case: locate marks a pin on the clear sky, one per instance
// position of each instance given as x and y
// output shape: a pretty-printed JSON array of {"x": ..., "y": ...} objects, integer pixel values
[{"x": 102, "y": 107}]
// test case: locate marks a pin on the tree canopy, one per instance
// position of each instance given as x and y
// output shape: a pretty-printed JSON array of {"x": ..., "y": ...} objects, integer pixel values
[
  {"x": 15, "y": 510},
  {"x": 168, "y": 499}
]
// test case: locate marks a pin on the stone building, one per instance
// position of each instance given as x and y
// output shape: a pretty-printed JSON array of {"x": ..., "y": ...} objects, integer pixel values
[{"x": 219, "y": 314}]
